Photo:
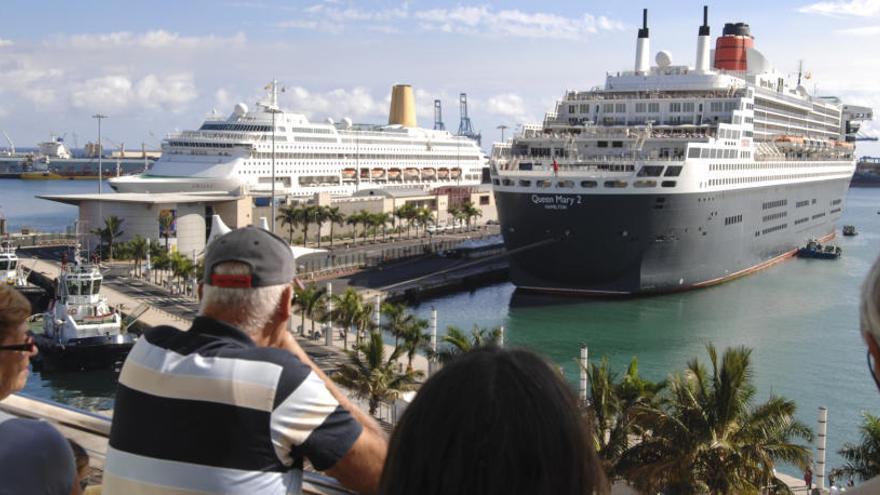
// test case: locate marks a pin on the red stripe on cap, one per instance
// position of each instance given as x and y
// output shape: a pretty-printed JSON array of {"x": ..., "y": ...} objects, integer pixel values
[{"x": 231, "y": 281}]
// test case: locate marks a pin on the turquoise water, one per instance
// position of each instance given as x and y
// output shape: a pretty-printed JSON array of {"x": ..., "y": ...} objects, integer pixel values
[
  {"x": 800, "y": 317},
  {"x": 20, "y": 207}
]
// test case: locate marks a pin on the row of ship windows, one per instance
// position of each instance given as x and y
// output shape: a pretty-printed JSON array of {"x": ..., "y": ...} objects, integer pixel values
[
  {"x": 747, "y": 180},
  {"x": 764, "y": 165},
  {"x": 654, "y": 107},
  {"x": 363, "y": 156},
  {"x": 587, "y": 184},
  {"x": 717, "y": 153},
  {"x": 735, "y": 219}
]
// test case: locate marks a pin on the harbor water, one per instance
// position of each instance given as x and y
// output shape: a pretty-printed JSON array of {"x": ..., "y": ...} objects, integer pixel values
[{"x": 800, "y": 318}]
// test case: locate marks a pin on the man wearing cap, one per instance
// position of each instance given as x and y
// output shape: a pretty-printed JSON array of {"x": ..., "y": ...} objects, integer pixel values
[
  {"x": 234, "y": 405},
  {"x": 870, "y": 326}
]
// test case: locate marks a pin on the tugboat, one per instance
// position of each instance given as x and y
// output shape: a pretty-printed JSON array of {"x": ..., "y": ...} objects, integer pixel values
[
  {"x": 12, "y": 273},
  {"x": 80, "y": 330},
  {"x": 815, "y": 250},
  {"x": 849, "y": 230}
]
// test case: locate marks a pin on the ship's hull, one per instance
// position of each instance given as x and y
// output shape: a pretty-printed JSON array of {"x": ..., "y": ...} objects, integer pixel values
[
  {"x": 632, "y": 244},
  {"x": 147, "y": 184}
]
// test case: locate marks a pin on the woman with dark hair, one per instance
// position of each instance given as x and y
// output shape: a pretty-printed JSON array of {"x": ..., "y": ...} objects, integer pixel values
[
  {"x": 493, "y": 421},
  {"x": 34, "y": 457}
]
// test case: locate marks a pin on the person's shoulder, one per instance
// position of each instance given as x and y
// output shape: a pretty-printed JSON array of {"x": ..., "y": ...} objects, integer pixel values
[
  {"x": 30, "y": 430},
  {"x": 291, "y": 371}
]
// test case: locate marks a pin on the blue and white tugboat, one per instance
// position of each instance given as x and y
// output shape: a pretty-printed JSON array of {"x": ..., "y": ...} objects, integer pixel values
[
  {"x": 814, "y": 249},
  {"x": 80, "y": 329}
]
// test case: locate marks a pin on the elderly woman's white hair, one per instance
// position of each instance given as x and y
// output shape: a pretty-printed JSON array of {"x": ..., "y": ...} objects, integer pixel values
[{"x": 870, "y": 305}]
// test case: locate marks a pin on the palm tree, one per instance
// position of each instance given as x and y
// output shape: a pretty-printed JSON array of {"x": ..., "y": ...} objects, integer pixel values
[
  {"x": 166, "y": 224},
  {"x": 321, "y": 216},
  {"x": 112, "y": 230},
  {"x": 708, "y": 438},
  {"x": 470, "y": 212},
  {"x": 138, "y": 247},
  {"x": 309, "y": 215},
  {"x": 364, "y": 322},
  {"x": 181, "y": 267},
  {"x": 415, "y": 339},
  {"x": 373, "y": 377},
  {"x": 309, "y": 301},
  {"x": 458, "y": 342},
  {"x": 355, "y": 219},
  {"x": 612, "y": 407},
  {"x": 334, "y": 216},
  {"x": 290, "y": 215},
  {"x": 346, "y": 309},
  {"x": 454, "y": 212},
  {"x": 862, "y": 459},
  {"x": 423, "y": 217},
  {"x": 396, "y": 319},
  {"x": 406, "y": 212}
]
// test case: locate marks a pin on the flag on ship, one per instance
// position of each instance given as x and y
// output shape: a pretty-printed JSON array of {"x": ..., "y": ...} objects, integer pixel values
[{"x": 555, "y": 167}]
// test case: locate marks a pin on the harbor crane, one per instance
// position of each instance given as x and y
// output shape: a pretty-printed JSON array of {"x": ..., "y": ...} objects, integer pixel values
[
  {"x": 464, "y": 127},
  {"x": 438, "y": 117},
  {"x": 11, "y": 144}
]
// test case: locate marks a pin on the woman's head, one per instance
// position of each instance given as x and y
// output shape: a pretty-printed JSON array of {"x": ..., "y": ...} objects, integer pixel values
[
  {"x": 14, "y": 311},
  {"x": 492, "y": 422}
]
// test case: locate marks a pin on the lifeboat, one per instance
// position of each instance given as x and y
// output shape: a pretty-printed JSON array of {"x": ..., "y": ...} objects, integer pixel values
[
  {"x": 456, "y": 173},
  {"x": 377, "y": 173},
  {"x": 428, "y": 173},
  {"x": 411, "y": 174},
  {"x": 442, "y": 173},
  {"x": 789, "y": 139},
  {"x": 394, "y": 173},
  {"x": 348, "y": 173},
  {"x": 843, "y": 145},
  {"x": 365, "y": 173}
]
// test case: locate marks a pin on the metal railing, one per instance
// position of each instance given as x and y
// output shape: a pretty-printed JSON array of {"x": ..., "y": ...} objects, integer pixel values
[{"x": 99, "y": 426}]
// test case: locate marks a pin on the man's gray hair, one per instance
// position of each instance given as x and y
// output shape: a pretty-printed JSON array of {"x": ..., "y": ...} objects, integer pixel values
[
  {"x": 870, "y": 306},
  {"x": 253, "y": 307}
]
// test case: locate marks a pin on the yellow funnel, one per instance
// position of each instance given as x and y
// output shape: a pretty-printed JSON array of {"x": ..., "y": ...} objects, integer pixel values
[{"x": 403, "y": 106}]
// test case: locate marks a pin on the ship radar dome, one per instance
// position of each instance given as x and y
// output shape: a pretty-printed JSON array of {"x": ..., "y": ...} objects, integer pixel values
[
  {"x": 347, "y": 122},
  {"x": 663, "y": 59},
  {"x": 240, "y": 110},
  {"x": 330, "y": 121}
]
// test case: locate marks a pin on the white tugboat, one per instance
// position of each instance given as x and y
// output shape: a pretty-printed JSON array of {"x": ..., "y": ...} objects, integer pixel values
[
  {"x": 12, "y": 273},
  {"x": 80, "y": 330}
]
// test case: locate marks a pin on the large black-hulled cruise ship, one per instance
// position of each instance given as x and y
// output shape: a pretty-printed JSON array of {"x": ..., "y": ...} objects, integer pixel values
[{"x": 674, "y": 177}]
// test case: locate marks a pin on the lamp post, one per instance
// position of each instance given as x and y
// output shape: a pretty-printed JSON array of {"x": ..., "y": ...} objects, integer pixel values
[
  {"x": 100, "y": 117},
  {"x": 273, "y": 109},
  {"x": 502, "y": 127}
]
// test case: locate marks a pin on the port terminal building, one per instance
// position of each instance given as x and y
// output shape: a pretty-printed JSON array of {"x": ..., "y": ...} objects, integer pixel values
[{"x": 190, "y": 213}]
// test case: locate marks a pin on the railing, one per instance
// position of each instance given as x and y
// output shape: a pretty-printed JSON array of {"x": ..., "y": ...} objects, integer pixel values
[{"x": 99, "y": 426}]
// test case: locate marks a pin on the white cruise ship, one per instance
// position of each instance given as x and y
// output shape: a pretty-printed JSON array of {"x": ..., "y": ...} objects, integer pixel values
[
  {"x": 236, "y": 152},
  {"x": 674, "y": 177}
]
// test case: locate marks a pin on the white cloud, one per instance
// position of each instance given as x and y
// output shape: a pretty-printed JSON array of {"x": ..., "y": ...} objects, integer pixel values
[
  {"x": 118, "y": 92},
  {"x": 858, "y": 8},
  {"x": 860, "y": 31},
  {"x": 5, "y": 42},
  {"x": 507, "y": 105},
  {"x": 471, "y": 20},
  {"x": 152, "y": 40},
  {"x": 356, "y": 103}
]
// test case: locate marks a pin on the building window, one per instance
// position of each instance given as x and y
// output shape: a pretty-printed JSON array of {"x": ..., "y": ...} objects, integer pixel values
[
  {"x": 653, "y": 107},
  {"x": 484, "y": 199},
  {"x": 640, "y": 107}
]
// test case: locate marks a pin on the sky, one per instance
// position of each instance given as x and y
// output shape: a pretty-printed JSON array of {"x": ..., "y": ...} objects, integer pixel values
[{"x": 162, "y": 66}]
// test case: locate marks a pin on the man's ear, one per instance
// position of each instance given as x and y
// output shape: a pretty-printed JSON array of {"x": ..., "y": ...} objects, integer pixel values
[{"x": 284, "y": 309}]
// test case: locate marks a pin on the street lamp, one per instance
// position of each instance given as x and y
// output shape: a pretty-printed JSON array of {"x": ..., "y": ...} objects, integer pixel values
[
  {"x": 100, "y": 117},
  {"x": 273, "y": 109},
  {"x": 502, "y": 127}
]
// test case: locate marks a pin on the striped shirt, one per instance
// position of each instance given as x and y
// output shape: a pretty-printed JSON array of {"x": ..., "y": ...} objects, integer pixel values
[{"x": 207, "y": 411}]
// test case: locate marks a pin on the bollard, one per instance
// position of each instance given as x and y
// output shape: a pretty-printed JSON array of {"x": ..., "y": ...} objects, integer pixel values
[
  {"x": 432, "y": 360},
  {"x": 584, "y": 376},
  {"x": 328, "y": 332},
  {"x": 820, "y": 448}
]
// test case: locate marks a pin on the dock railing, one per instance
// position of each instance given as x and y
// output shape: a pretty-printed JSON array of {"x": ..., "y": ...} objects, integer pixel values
[{"x": 99, "y": 426}]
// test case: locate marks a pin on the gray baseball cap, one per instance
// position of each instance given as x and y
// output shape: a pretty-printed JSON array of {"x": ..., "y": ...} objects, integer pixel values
[{"x": 268, "y": 256}]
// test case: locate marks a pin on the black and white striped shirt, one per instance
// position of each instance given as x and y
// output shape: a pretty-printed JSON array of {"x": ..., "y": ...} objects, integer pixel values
[{"x": 207, "y": 411}]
